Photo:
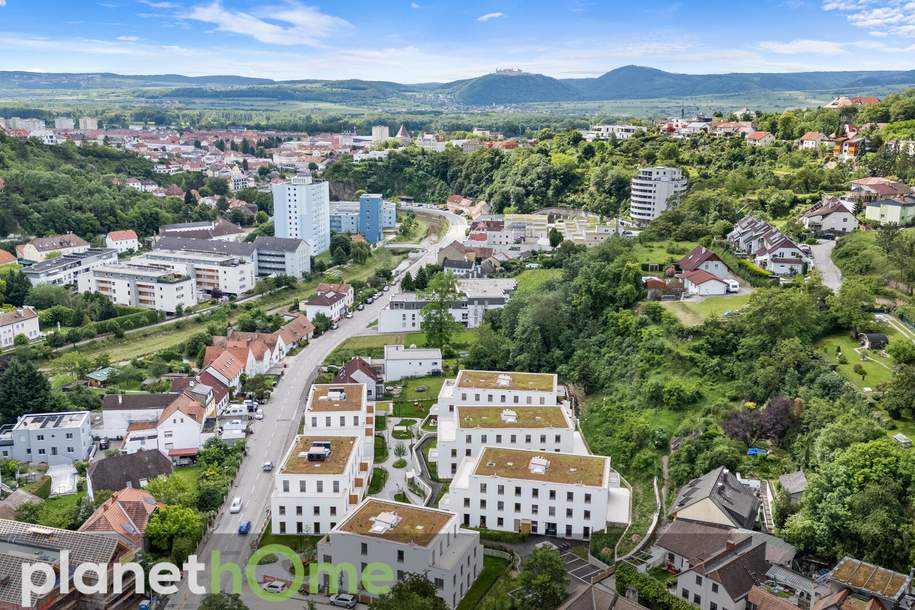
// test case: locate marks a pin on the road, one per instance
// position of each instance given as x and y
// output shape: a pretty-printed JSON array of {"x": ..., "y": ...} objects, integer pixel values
[
  {"x": 282, "y": 416},
  {"x": 822, "y": 260}
]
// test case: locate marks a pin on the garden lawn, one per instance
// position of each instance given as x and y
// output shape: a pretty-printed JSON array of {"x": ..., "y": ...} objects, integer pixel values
[
  {"x": 534, "y": 279},
  {"x": 879, "y": 368},
  {"x": 376, "y": 483},
  {"x": 693, "y": 313},
  {"x": 58, "y": 512},
  {"x": 662, "y": 252},
  {"x": 299, "y": 543},
  {"x": 190, "y": 474},
  {"x": 493, "y": 569}
]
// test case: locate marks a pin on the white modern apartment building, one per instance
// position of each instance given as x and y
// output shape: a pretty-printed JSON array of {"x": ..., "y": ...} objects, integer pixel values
[
  {"x": 404, "y": 312},
  {"x": 401, "y": 362},
  {"x": 283, "y": 256},
  {"x": 22, "y": 321},
  {"x": 469, "y": 429},
  {"x": 340, "y": 408},
  {"x": 554, "y": 494},
  {"x": 157, "y": 287},
  {"x": 498, "y": 388},
  {"x": 321, "y": 479},
  {"x": 66, "y": 270},
  {"x": 301, "y": 210},
  {"x": 654, "y": 189},
  {"x": 211, "y": 272},
  {"x": 410, "y": 539},
  {"x": 607, "y": 132},
  {"x": 52, "y": 438}
]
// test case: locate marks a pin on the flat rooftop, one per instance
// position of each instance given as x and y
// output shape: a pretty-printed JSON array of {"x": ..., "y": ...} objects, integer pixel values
[
  {"x": 560, "y": 468},
  {"x": 336, "y": 397},
  {"x": 397, "y": 522},
  {"x": 50, "y": 421},
  {"x": 506, "y": 380},
  {"x": 868, "y": 577},
  {"x": 340, "y": 449},
  {"x": 506, "y": 417},
  {"x": 399, "y": 352}
]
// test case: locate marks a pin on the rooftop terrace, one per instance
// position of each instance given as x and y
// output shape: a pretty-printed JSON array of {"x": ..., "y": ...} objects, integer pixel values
[
  {"x": 502, "y": 380},
  {"x": 542, "y": 466},
  {"x": 501, "y": 417},
  {"x": 340, "y": 449},
  {"x": 396, "y": 522},
  {"x": 336, "y": 397}
]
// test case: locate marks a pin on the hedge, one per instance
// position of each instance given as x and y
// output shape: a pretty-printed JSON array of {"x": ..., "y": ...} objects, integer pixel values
[
  {"x": 756, "y": 276},
  {"x": 128, "y": 322},
  {"x": 652, "y": 593},
  {"x": 500, "y": 536}
]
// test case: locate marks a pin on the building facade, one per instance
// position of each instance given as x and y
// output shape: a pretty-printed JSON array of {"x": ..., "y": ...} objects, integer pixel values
[
  {"x": 401, "y": 362},
  {"x": 66, "y": 270},
  {"x": 301, "y": 210},
  {"x": 212, "y": 273},
  {"x": 156, "y": 287},
  {"x": 53, "y": 438},
  {"x": 22, "y": 321},
  {"x": 371, "y": 208},
  {"x": 654, "y": 189},
  {"x": 283, "y": 256}
]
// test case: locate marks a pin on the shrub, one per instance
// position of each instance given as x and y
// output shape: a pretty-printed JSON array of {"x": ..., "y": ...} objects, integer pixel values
[{"x": 652, "y": 593}]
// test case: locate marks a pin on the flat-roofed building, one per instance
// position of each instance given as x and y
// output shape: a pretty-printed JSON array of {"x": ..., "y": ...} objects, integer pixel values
[
  {"x": 322, "y": 478},
  {"x": 553, "y": 494},
  {"x": 412, "y": 540},
  {"x": 401, "y": 362},
  {"x": 212, "y": 273},
  {"x": 52, "y": 438},
  {"x": 404, "y": 312},
  {"x": 471, "y": 428},
  {"x": 501, "y": 388},
  {"x": 157, "y": 287},
  {"x": 65, "y": 270}
]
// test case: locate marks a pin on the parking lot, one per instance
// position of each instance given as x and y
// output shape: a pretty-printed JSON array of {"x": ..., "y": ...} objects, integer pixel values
[{"x": 579, "y": 569}]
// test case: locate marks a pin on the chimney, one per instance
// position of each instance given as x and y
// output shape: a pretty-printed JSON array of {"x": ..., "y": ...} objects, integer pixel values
[{"x": 730, "y": 545}]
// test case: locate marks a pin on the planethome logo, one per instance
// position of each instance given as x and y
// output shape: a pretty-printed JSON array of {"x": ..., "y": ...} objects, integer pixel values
[{"x": 93, "y": 578}]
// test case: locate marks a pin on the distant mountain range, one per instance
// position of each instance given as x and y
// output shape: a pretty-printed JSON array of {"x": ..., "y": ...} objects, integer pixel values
[{"x": 499, "y": 88}]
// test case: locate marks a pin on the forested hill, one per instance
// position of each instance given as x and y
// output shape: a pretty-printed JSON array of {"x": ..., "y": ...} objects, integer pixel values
[
  {"x": 55, "y": 189},
  {"x": 500, "y": 88}
]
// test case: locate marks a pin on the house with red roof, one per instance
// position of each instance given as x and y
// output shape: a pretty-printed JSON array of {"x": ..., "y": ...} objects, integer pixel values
[
  {"x": 123, "y": 241},
  {"x": 760, "y": 138},
  {"x": 812, "y": 140},
  {"x": 227, "y": 369},
  {"x": 124, "y": 516},
  {"x": 701, "y": 257},
  {"x": 703, "y": 283},
  {"x": 358, "y": 370}
]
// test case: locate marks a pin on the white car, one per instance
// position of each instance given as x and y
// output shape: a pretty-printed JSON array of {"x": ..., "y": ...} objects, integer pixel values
[
  {"x": 343, "y": 600},
  {"x": 259, "y": 414},
  {"x": 235, "y": 507},
  {"x": 275, "y": 586},
  {"x": 349, "y": 314}
]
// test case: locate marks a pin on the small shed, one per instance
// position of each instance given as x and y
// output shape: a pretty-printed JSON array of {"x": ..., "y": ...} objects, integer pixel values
[
  {"x": 100, "y": 377},
  {"x": 902, "y": 440},
  {"x": 793, "y": 484},
  {"x": 873, "y": 340}
]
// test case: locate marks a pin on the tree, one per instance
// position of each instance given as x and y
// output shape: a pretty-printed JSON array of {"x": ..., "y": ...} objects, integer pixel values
[
  {"x": 886, "y": 236},
  {"x": 321, "y": 323},
  {"x": 899, "y": 396},
  {"x": 438, "y": 323},
  {"x": 172, "y": 490},
  {"x": 853, "y": 305},
  {"x": 172, "y": 522},
  {"x": 422, "y": 279},
  {"x": 406, "y": 284},
  {"x": 222, "y": 601},
  {"x": 360, "y": 252},
  {"x": 23, "y": 389},
  {"x": 543, "y": 579},
  {"x": 415, "y": 592},
  {"x": 556, "y": 237},
  {"x": 17, "y": 288}
]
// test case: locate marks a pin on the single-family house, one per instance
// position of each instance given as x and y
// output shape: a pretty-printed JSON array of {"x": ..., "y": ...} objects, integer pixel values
[
  {"x": 760, "y": 138},
  {"x": 702, "y": 258},
  {"x": 725, "y": 579},
  {"x": 331, "y": 300},
  {"x": 781, "y": 255},
  {"x": 16, "y": 500},
  {"x": 717, "y": 497},
  {"x": 703, "y": 283},
  {"x": 122, "y": 241},
  {"x": 22, "y": 321},
  {"x": 813, "y": 140},
  {"x": 227, "y": 369},
  {"x": 180, "y": 428},
  {"x": 899, "y": 210},
  {"x": 830, "y": 217},
  {"x": 124, "y": 516},
  {"x": 876, "y": 187},
  {"x": 402, "y": 362},
  {"x": 134, "y": 470},
  {"x": 357, "y": 370}
]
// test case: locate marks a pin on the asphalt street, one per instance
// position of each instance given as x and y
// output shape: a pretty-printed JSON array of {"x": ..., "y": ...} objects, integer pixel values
[{"x": 282, "y": 414}]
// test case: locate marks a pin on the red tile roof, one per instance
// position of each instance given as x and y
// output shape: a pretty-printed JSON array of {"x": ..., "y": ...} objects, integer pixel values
[
  {"x": 123, "y": 235},
  {"x": 699, "y": 276},
  {"x": 126, "y": 513},
  {"x": 227, "y": 365},
  {"x": 697, "y": 256}
]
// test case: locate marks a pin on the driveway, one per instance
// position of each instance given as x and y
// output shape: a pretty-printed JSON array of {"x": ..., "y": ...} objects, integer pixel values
[{"x": 822, "y": 260}]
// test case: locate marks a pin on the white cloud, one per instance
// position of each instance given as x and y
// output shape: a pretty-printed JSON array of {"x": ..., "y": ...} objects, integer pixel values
[
  {"x": 887, "y": 16},
  {"x": 128, "y": 38},
  {"x": 489, "y": 17},
  {"x": 2, "y": 2},
  {"x": 415, "y": 5},
  {"x": 803, "y": 46},
  {"x": 291, "y": 23},
  {"x": 162, "y": 5}
]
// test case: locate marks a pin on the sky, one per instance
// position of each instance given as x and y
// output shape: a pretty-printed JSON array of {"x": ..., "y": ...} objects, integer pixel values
[{"x": 415, "y": 41}]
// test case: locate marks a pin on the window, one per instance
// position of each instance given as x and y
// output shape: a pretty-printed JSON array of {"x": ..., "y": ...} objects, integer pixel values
[
  {"x": 527, "y": 439},
  {"x": 498, "y": 439},
  {"x": 552, "y": 494},
  {"x": 500, "y": 505},
  {"x": 517, "y": 507},
  {"x": 570, "y": 496},
  {"x": 542, "y": 439},
  {"x": 569, "y": 513},
  {"x": 302, "y": 486},
  {"x": 697, "y": 599},
  {"x": 535, "y": 493},
  {"x": 517, "y": 491},
  {"x": 500, "y": 490},
  {"x": 466, "y": 502},
  {"x": 317, "y": 511},
  {"x": 364, "y": 549},
  {"x": 534, "y": 509},
  {"x": 342, "y": 421},
  {"x": 336, "y": 487},
  {"x": 482, "y": 488},
  {"x": 587, "y": 514},
  {"x": 712, "y": 606},
  {"x": 298, "y": 511},
  {"x": 400, "y": 556},
  {"x": 483, "y": 504},
  {"x": 714, "y": 587},
  {"x": 684, "y": 594},
  {"x": 587, "y": 498},
  {"x": 698, "y": 580},
  {"x": 320, "y": 487},
  {"x": 282, "y": 511},
  {"x": 499, "y": 522}
]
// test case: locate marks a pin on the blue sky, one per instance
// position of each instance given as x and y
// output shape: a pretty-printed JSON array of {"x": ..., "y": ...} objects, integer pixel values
[{"x": 439, "y": 40}]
